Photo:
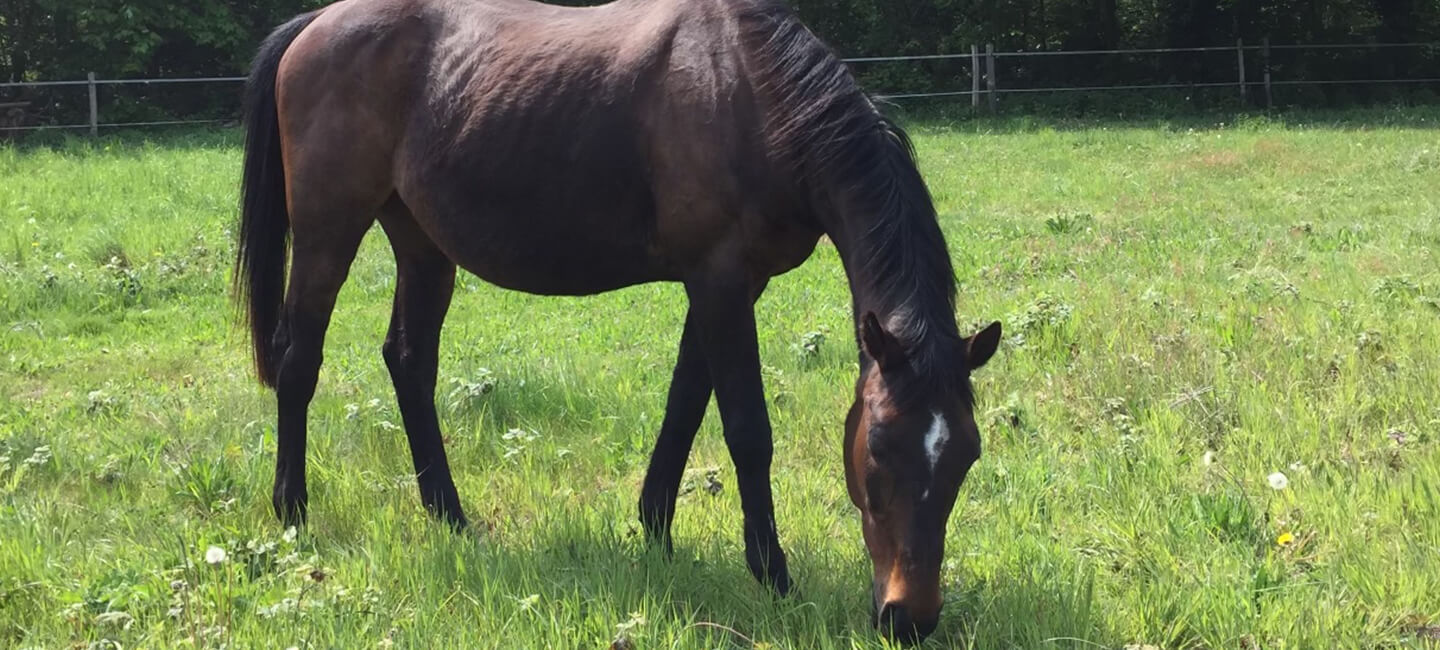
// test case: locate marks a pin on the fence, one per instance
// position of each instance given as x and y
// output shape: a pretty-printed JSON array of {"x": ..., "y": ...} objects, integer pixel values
[
  {"x": 982, "y": 71},
  {"x": 93, "y": 86}
]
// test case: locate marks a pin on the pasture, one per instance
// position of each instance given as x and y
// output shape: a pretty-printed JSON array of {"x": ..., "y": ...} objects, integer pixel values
[{"x": 1214, "y": 422}]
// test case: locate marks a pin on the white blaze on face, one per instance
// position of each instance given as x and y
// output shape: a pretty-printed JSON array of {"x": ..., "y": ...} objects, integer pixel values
[{"x": 935, "y": 440}]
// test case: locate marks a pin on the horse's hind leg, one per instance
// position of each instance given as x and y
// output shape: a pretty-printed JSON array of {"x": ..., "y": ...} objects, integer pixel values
[
  {"x": 326, "y": 238},
  {"x": 690, "y": 389},
  {"x": 424, "y": 284}
]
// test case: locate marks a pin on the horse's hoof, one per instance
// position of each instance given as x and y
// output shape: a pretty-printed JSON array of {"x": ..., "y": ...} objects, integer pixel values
[
  {"x": 781, "y": 584},
  {"x": 291, "y": 513},
  {"x": 771, "y": 571},
  {"x": 290, "y": 509},
  {"x": 664, "y": 542},
  {"x": 658, "y": 535}
]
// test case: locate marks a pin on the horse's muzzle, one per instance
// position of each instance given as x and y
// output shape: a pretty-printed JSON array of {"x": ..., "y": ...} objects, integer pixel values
[{"x": 896, "y": 622}]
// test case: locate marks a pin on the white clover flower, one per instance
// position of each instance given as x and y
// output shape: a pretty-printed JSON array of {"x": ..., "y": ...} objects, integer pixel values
[
  {"x": 214, "y": 555},
  {"x": 1278, "y": 481}
]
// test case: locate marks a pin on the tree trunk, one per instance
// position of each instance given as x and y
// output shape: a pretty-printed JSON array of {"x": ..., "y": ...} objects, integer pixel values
[{"x": 1107, "y": 25}]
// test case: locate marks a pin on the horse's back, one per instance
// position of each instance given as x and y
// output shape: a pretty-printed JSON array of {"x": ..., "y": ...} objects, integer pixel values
[{"x": 550, "y": 149}]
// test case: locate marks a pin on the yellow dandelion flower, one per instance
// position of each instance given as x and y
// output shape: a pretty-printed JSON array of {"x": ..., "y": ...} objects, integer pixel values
[{"x": 1285, "y": 539}]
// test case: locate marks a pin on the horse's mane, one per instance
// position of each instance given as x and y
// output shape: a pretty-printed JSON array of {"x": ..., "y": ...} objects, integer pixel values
[{"x": 831, "y": 135}]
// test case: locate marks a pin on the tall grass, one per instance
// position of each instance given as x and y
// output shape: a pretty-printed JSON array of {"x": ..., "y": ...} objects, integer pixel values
[{"x": 1191, "y": 308}]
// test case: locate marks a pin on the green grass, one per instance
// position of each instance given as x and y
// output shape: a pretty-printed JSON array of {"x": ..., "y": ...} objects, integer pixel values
[{"x": 1268, "y": 291}]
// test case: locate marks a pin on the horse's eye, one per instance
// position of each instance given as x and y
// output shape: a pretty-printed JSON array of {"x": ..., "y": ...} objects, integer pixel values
[
  {"x": 878, "y": 489},
  {"x": 881, "y": 451}
]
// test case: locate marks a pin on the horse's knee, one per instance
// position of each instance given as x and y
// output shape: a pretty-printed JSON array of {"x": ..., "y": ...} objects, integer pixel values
[
  {"x": 395, "y": 355},
  {"x": 406, "y": 364}
]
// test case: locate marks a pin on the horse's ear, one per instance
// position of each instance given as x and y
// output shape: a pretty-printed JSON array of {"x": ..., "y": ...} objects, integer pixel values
[
  {"x": 980, "y": 347},
  {"x": 878, "y": 343}
]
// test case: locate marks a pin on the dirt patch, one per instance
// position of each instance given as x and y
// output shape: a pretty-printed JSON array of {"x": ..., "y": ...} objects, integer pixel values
[
  {"x": 1210, "y": 161},
  {"x": 1272, "y": 148}
]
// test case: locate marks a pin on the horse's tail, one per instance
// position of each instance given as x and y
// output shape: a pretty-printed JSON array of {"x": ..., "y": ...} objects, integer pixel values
[{"x": 264, "y": 236}]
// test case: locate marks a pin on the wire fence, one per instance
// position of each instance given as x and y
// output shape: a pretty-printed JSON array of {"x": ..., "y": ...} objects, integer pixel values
[
  {"x": 982, "y": 75},
  {"x": 1254, "y": 80}
]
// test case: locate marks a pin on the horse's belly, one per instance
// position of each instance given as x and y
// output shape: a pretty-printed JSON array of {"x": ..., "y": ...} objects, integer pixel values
[
  {"x": 530, "y": 257},
  {"x": 543, "y": 219}
]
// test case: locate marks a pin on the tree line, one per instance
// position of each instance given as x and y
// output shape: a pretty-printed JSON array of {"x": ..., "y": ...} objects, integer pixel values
[{"x": 64, "y": 39}]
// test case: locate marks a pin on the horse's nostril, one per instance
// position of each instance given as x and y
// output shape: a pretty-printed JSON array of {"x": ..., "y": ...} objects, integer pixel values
[
  {"x": 926, "y": 628},
  {"x": 896, "y": 622},
  {"x": 885, "y": 613}
]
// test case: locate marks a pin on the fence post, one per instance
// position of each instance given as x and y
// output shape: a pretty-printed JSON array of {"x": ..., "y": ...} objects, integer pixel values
[
  {"x": 1240, "y": 64},
  {"x": 94, "y": 108},
  {"x": 974, "y": 77},
  {"x": 1269, "y": 99},
  {"x": 990, "y": 73}
]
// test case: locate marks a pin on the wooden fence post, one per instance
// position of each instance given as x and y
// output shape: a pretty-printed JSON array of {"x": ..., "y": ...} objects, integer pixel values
[
  {"x": 990, "y": 73},
  {"x": 1240, "y": 64},
  {"x": 1269, "y": 99},
  {"x": 94, "y": 108},
  {"x": 974, "y": 77}
]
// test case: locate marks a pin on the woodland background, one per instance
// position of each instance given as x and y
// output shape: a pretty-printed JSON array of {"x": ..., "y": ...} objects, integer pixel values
[{"x": 65, "y": 39}]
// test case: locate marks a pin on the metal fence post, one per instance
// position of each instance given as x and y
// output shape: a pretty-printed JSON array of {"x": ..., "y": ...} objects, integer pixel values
[
  {"x": 1240, "y": 64},
  {"x": 1269, "y": 99},
  {"x": 990, "y": 73},
  {"x": 974, "y": 77},
  {"x": 94, "y": 108}
]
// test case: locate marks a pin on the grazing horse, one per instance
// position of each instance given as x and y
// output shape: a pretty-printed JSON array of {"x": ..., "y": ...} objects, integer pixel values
[{"x": 572, "y": 151}]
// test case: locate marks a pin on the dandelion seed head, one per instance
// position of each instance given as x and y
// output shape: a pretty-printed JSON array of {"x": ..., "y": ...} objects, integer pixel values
[
  {"x": 1278, "y": 481},
  {"x": 214, "y": 555}
]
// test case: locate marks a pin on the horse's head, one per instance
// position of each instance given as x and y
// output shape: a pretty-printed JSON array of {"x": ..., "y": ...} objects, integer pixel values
[{"x": 909, "y": 442}]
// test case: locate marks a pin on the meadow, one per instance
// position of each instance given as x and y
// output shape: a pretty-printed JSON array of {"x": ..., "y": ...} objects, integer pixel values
[{"x": 1214, "y": 421}]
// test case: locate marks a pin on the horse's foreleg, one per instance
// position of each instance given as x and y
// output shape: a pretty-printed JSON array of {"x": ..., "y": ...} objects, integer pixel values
[
  {"x": 690, "y": 390},
  {"x": 425, "y": 283},
  {"x": 684, "y": 410},
  {"x": 722, "y": 306},
  {"x": 319, "y": 267}
]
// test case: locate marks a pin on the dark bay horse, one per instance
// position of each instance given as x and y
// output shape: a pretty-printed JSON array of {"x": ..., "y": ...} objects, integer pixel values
[{"x": 572, "y": 151}]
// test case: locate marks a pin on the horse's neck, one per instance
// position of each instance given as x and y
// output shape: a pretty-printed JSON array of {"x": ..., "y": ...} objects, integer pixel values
[{"x": 901, "y": 271}]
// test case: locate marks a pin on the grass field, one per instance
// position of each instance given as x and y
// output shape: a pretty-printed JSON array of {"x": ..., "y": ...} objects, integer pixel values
[{"x": 1190, "y": 309}]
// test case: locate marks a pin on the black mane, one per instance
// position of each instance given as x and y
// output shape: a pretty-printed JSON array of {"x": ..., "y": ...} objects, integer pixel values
[{"x": 834, "y": 138}]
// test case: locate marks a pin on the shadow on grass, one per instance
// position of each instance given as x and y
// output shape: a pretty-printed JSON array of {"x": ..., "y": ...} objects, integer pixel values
[
  {"x": 960, "y": 118},
  {"x": 129, "y": 142},
  {"x": 708, "y": 599}
]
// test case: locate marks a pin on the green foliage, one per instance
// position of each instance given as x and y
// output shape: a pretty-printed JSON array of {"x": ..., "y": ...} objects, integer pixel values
[
  {"x": 1190, "y": 308},
  {"x": 64, "y": 39}
]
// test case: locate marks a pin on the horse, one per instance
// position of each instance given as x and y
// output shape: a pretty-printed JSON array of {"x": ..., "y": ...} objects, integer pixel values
[{"x": 572, "y": 151}]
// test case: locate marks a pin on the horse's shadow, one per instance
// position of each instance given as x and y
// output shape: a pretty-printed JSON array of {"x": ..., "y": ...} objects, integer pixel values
[{"x": 606, "y": 578}]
